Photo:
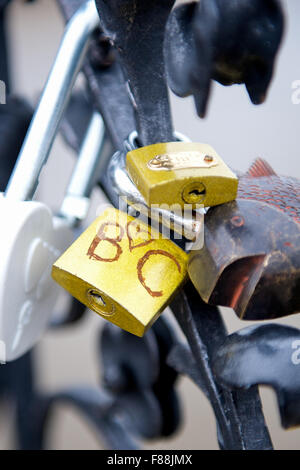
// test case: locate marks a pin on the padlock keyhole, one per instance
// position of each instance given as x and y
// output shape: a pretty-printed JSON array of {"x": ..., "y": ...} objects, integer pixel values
[
  {"x": 100, "y": 303},
  {"x": 194, "y": 193},
  {"x": 98, "y": 299}
]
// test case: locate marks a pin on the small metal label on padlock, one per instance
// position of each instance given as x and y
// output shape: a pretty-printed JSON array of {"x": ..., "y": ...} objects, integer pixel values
[{"x": 181, "y": 160}]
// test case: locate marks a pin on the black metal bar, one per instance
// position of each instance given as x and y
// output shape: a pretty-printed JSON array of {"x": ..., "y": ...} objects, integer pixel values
[
  {"x": 205, "y": 331},
  {"x": 136, "y": 28}
]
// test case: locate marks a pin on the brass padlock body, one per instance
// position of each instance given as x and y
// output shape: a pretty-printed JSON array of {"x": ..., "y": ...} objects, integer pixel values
[
  {"x": 181, "y": 173},
  {"x": 123, "y": 270}
]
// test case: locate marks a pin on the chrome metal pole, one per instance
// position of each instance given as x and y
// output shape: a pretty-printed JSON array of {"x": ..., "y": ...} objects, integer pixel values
[
  {"x": 45, "y": 122},
  {"x": 87, "y": 169}
]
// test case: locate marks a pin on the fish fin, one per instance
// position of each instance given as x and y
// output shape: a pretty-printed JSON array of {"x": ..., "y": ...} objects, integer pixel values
[{"x": 260, "y": 168}]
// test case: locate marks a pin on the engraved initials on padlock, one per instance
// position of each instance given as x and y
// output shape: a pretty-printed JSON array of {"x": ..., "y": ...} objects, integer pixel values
[
  {"x": 123, "y": 270},
  {"x": 181, "y": 173}
]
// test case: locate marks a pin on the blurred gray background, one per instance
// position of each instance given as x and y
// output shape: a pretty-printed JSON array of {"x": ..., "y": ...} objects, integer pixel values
[{"x": 239, "y": 131}]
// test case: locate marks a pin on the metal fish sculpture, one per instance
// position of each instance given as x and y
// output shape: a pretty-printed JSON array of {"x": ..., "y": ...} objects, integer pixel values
[
  {"x": 262, "y": 184},
  {"x": 251, "y": 255}
]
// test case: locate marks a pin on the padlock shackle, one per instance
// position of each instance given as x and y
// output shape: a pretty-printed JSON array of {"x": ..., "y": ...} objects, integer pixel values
[
  {"x": 132, "y": 140},
  {"x": 88, "y": 167},
  {"x": 125, "y": 189},
  {"x": 43, "y": 128}
]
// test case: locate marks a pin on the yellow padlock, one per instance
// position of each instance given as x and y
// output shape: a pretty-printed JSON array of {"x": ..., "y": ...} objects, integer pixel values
[
  {"x": 122, "y": 269},
  {"x": 181, "y": 173}
]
